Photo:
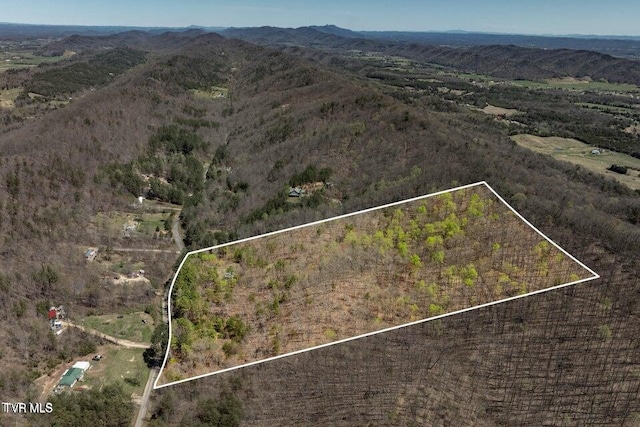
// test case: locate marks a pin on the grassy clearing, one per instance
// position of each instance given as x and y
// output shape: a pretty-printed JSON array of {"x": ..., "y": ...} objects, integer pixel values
[
  {"x": 215, "y": 92},
  {"x": 122, "y": 365},
  {"x": 114, "y": 223},
  {"x": 499, "y": 111},
  {"x": 120, "y": 264},
  {"x": 156, "y": 205},
  {"x": 476, "y": 77},
  {"x": 579, "y": 153},
  {"x": 149, "y": 223},
  {"x": 129, "y": 326},
  {"x": 7, "y": 97}
]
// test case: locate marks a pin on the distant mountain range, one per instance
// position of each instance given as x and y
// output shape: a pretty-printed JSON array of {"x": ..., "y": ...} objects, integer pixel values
[
  {"x": 11, "y": 31},
  {"x": 510, "y": 61},
  {"x": 500, "y": 60},
  {"x": 625, "y": 46}
]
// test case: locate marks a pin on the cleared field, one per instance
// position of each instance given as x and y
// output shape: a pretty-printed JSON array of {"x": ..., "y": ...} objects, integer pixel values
[
  {"x": 633, "y": 129},
  {"x": 156, "y": 205},
  {"x": 115, "y": 223},
  {"x": 499, "y": 111},
  {"x": 118, "y": 365},
  {"x": 580, "y": 85},
  {"x": 475, "y": 77},
  {"x": 269, "y": 296},
  {"x": 8, "y": 96},
  {"x": 17, "y": 60},
  {"x": 214, "y": 92},
  {"x": 579, "y": 153},
  {"x": 563, "y": 83},
  {"x": 130, "y": 326}
]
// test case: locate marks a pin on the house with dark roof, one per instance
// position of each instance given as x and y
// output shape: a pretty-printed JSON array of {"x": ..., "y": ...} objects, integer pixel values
[{"x": 295, "y": 191}]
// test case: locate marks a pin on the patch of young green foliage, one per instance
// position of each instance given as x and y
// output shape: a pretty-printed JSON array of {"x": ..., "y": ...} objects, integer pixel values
[
  {"x": 174, "y": 139},
  {"x": 198, "y": 285}
]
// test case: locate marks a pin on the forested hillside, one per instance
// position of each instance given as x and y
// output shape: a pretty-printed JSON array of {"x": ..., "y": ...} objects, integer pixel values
[{"x": 218, "y": 130}]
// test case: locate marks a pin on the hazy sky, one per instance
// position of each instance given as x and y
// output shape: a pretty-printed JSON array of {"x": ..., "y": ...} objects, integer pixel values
[{"x": 618, "y": 17}]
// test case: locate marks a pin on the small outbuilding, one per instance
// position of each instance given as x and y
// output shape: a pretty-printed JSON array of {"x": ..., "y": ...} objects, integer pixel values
[{"x": 90, "y": 254}]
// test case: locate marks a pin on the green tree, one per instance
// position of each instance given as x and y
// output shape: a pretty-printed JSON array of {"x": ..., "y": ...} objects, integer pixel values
[
  {"x": 154, "y": 355},
  {"x": 224, "y": 412},
  {"x": 46, "y": 278},
  {"x": 235, "y": 328},
  {"x": 108, "y": 407}
]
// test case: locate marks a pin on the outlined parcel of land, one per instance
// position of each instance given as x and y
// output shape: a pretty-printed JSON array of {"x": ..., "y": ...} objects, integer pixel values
[{"x": 359, "y": 274}]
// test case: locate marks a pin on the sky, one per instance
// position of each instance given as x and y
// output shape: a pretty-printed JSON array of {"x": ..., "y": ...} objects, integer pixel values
[{"x": 614, "y": 17}]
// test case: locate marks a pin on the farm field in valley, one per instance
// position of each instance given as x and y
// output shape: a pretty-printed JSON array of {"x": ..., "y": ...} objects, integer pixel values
[{"x": 579, "y": 153}]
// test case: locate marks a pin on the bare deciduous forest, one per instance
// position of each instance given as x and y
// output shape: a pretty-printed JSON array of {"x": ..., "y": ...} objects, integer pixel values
[
  {"x": 355, "y": 275},
  {"x": 214, "y": 131}
]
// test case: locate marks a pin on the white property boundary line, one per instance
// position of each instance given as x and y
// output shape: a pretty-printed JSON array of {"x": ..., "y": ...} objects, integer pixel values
[{"x": 166, "y": 356}]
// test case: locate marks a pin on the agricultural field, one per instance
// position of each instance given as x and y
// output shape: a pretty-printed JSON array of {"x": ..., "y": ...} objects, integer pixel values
[
  {"x": 578, "y": 85},
  {"x": 354, "y": 275},
  {"x": 568, "y": 83},
  {"x": 16, "y": 60},
  {"x": 579, "y": 153},
  {"x": 137, "y": 327}
]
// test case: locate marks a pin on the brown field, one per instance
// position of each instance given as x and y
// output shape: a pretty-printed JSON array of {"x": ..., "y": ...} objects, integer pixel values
[
  {"x": 633, "y": 129},
  {"x": 8, "y": 96},
  {"x": 579, "y": 153},
  {"x": 355, "y": 275},
  {"x": 498, "y": 111}
]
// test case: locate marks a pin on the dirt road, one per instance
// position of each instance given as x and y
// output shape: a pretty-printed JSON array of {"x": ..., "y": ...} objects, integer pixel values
[
  {"x": 124, "y": 343},
  {"x": 169, "y": 251},
  {"x": 142, "y": 412},
  {"x": 175, "y": 229}
]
